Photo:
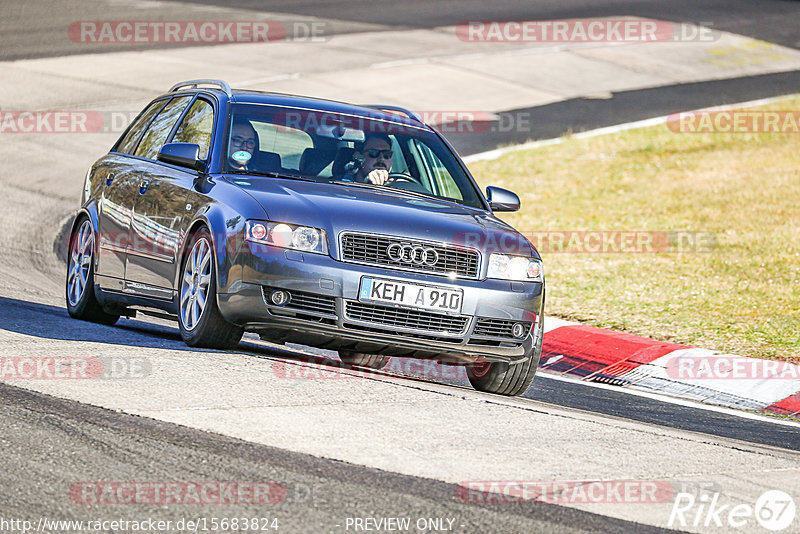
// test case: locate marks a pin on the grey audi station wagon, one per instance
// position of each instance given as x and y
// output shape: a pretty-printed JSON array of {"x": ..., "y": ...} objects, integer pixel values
[{"x": 232, "y": 211}]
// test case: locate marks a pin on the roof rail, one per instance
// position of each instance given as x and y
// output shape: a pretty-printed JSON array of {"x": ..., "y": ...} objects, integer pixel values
[
  {"x": 410, "y": 114},
  {"x": 194, "y": 83}
]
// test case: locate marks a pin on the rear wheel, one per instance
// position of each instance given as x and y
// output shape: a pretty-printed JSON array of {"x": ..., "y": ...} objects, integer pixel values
[
  {"x": 81, "y": 300},
  {"x": 199, "y": 318},
  {"x": 504, "y": 379},
  {"x": 361, "y": 359}
]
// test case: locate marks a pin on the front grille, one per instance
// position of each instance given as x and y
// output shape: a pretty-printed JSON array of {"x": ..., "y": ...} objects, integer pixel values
[
  {"x": 367, "y": 248},
  {"x": 405, "y": 318},
  {"x": 300, "y": 301},
  {"x": 498, "y": 328}
]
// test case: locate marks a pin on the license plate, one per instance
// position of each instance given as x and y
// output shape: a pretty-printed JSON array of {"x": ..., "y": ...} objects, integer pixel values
[{"x": 436, "y": 299}]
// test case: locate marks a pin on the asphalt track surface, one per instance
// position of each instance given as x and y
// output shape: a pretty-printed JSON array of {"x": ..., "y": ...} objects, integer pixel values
[
  {"x": 37, "y": 29},
  {"x": 56, "y": 442},
  {"x": 583, "y": 114},
  {"x": 53, "y": 323},
  {"x": 49, "y": 442}
]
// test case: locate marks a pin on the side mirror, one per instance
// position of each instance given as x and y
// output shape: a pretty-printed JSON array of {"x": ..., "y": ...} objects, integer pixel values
[
  {"x": 502, "y": 199},
  {"x": 182, "y": 154}
]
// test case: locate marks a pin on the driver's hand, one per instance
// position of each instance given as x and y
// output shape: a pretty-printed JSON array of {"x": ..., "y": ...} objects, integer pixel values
[{"x": 378, "y": 177}]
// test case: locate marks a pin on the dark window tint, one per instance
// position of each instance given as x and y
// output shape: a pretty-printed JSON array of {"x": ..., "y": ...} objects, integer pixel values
[
  {"x": 197, "y": 126},
  {"x": 128, "y": 143},
  {"x": 156, "y": 134}
]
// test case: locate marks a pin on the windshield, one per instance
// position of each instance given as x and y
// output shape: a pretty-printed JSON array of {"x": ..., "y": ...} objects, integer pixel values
[{"x": 344, "y": 149}]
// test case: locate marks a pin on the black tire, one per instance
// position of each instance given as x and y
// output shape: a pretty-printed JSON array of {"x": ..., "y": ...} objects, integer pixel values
[
  {"x": 504, "y": 379},
  {"x": 209, "y": 329},
  {"x": 361, "y": 359},
  {"x": 82, "y": 302}
]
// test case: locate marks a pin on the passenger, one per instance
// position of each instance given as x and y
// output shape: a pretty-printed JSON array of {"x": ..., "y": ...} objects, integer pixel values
[{"x": 244, "y": 141}]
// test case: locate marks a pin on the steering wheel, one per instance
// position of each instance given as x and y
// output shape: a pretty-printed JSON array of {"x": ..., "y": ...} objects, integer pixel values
[{"x": 403, "y": 177}]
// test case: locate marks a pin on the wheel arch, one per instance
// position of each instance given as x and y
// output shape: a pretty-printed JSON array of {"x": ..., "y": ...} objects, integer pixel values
[
  {"x": 215, "y": 221},
  {"x": 90, "y": 212}
]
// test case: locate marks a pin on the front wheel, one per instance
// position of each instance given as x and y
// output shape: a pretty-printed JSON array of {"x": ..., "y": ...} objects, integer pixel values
[
  {"x": 504, "y": 379},
  {"x": 199, "y": 318},
  {"x": 81, "y": 300}
]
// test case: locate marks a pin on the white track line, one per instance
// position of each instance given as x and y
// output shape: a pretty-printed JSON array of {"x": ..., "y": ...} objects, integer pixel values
[{"x": 496, "y": 153}]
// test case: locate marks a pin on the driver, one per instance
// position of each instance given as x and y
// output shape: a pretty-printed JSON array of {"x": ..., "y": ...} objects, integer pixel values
[{"x": 376, "y": 153}]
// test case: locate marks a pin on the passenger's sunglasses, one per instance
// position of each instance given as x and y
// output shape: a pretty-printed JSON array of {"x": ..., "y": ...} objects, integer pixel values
[
  {"x": 387, "y": 154},
  {"x": 239, "y": 141}
]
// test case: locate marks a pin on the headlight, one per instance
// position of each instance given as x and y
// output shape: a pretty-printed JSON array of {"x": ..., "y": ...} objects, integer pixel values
[
  {"x": 284, "y": 235},
  {"x": 517, "y": 268}
]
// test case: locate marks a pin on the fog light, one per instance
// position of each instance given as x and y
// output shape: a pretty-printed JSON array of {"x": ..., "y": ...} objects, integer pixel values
[
  {"x": 518, "y": 330},
  {"x": 280, "y": 297}
]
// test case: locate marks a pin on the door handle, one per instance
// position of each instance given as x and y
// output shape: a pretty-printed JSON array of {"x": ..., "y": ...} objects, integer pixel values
[
  {"x": 143, "y": 186},
  {"x": 110, "y": 178}
]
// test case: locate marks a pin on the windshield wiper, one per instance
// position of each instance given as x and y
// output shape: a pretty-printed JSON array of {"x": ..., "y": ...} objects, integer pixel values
[{"x": 271, "y": 174}]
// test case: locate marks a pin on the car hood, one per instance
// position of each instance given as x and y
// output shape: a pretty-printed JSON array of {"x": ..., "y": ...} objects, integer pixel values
[{"x": 338, "y": 208}]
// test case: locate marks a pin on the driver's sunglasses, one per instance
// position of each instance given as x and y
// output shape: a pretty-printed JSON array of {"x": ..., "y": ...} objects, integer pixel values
[
  {"x": 239, "y": 141},
  {"x": 387, "y": 154}
]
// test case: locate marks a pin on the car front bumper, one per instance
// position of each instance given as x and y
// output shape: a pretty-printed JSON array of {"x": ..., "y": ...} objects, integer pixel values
[{"x": 325, "y": 311}]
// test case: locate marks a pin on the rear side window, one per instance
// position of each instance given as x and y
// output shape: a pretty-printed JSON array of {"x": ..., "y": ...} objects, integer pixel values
[
  {"x": 196, "y": 127},
  {"x": 156, "y": 134},
  {"x": 128, "y": 143}
]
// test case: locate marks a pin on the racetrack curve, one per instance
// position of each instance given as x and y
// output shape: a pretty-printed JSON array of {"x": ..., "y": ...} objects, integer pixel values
[{"x": 343, "y": 445}]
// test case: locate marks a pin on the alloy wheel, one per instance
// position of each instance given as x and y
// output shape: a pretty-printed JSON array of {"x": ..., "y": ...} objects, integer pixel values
[
  {"x": 80, "y": 261},
  {"x": 195, "y": 283}
]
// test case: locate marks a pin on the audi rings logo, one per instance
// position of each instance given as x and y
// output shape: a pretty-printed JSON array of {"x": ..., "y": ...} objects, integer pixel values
[{"x": 415, "y": 254}]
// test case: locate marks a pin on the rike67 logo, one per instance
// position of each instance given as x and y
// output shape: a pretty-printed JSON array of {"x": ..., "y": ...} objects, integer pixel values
[{"x": 774, "y": 510}]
